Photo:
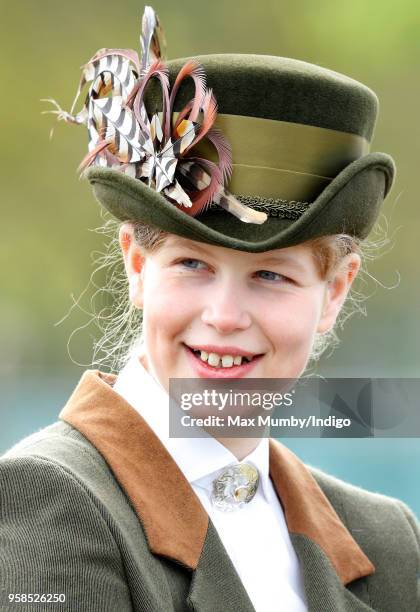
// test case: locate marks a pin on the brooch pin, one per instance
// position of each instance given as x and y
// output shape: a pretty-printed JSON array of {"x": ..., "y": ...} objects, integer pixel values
[
  {"x": 158, "y": 149},
  {"x": 235, "y": 487}
]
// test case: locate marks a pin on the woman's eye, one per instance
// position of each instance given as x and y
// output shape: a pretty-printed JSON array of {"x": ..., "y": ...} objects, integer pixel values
[
  {"x": 186, "y": 263},
  {"x": 194, "y": 264},
  {"x": 273, "y": 276}
]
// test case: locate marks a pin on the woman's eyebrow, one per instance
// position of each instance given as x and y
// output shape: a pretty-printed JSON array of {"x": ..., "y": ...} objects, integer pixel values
[
  {"x": 272, "y": 259},
  {"x": 283, "y": 259},
  {"x": 179, "y": 242}
]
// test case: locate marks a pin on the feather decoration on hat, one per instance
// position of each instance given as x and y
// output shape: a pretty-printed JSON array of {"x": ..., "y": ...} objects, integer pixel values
[
  {"x": 152, "y": 38},
  {"x": 157, "y": 149}
]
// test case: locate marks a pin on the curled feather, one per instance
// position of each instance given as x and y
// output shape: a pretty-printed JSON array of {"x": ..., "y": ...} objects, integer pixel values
[
  {"x": 128, "y": 54},
  {"x": 113, "y": 61},
  {"x": 209, "y": 110},
  {"x": 136, "y": 98},
  {"x": 224, "y": 152},
  {"x": 194, "y": 70},
  {"x": 91, "y": 156}
]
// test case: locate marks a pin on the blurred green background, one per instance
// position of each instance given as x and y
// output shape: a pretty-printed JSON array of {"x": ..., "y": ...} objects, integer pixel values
[{"x": 48, "y": 216}]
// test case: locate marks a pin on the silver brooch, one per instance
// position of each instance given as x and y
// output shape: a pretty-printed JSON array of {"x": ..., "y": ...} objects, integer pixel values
[{"x": 235, "y": 487}]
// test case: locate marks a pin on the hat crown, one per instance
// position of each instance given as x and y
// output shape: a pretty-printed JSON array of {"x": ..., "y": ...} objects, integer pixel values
[{"x": 283, "y": 89}]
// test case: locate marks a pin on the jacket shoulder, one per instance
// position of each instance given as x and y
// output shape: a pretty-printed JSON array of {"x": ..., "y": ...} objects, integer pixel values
[
  {"x": 52, "y": 439},
  {"x": 65, "y": 447},
  {"x": 55, "y": 535},
  {"x": 73, "y": 457},
  {"x": 381, "y": 524},
  {"x": 355, "y": 500}
]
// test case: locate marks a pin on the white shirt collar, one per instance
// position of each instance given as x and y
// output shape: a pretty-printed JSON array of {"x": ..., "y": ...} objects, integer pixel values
[{"x": 198, "y": 458}]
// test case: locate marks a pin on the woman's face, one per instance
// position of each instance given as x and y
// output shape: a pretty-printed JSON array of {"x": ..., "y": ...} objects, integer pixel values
[{"x": 228, "y": 303}]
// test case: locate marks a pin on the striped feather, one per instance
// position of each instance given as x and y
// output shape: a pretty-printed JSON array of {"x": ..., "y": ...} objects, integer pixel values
[
  {"x": 111, "y": 161},
  {"x": 129, "y": 170},
  {"x": 156, "y": 129},
  {"x": 148, "y": 146},
  {"x": 152, "y": 39},
  {"x": 121, "y": 127},
  {"x": 94, "y": 132},
  {"x": 184, "y": 133},
  {"x": 116, "y": 64},
  {"x": 146, "y": 168},
  {"x": 201, "y": 180},
  {"x": 205, "y": 177},
  {"x": 246, "y": 214},
  {"x": 128, "y": 54},
  {"x": 180, "y": 144},
  {"x": 110, "y": 74},
  {"x": 164, "y": 171},
  {"x": 175, "y": 192},
  {"x": 197, "y": 177}
]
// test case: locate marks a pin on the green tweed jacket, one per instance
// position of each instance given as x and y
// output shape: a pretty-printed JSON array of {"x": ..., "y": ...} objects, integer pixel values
[{"x": 94, "y": 510}]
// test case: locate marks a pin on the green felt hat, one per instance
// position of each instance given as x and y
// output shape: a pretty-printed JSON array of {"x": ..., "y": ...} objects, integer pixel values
[{"x": 300, "y": 137}]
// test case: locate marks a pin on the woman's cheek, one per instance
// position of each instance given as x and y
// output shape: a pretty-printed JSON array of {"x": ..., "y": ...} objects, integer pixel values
[
  {"x": 168, "y": 313},
  {"x": 294, "y": 328},
  {"x": 298, "y": 316}
]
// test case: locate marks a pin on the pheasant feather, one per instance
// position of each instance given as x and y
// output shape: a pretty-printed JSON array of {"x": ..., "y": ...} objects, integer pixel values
[
  {"x": 159, "y": 149},
  {"x": 152, "y": 39}
]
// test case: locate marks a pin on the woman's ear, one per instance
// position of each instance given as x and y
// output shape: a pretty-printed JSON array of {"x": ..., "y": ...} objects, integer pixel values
[
  {"x": 133, "y": 262},
  {"x": 336, "y": 291}
]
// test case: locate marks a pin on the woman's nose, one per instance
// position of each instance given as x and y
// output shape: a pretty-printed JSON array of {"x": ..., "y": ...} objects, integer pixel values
[{"x": 226, "y": 312}]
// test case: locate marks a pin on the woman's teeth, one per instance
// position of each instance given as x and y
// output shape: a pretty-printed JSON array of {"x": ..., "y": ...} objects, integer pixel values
[{"x": 215, "y": 360}]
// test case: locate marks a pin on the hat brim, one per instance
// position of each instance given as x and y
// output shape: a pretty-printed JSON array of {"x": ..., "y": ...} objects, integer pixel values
[{"x": 349, "y": 204}]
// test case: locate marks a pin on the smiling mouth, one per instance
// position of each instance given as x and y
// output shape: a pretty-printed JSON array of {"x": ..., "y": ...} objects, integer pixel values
[{"x": 216, "y": 362}]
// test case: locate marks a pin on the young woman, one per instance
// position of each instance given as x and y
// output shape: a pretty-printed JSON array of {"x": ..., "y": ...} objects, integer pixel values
[{"x": 104, "y": 510}]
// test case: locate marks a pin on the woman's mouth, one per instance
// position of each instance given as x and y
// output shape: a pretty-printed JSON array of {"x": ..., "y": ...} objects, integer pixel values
[{"x": 212, "y": 365}]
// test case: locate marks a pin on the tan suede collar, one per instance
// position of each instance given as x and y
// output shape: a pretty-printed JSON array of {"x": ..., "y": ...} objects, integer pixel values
[{"x": 173, "y": 518}]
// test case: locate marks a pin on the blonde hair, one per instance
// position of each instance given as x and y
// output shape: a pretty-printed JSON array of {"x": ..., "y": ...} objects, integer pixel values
[{"x": 121, "y": 326}]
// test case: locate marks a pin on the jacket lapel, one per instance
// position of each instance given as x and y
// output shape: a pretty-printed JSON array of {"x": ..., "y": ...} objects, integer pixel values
[
  {"x": 324, "y": 589},
  {"x": 309, "y": 513},
  {"x": 215, "y": 584},
  {"x": 329, "y": 557},
  {"x": 177, "y": 526}
]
